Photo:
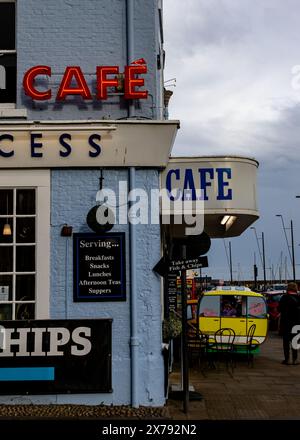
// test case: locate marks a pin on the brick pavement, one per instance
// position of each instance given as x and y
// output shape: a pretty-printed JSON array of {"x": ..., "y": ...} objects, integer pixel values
[{"x": 266, "y": 391}]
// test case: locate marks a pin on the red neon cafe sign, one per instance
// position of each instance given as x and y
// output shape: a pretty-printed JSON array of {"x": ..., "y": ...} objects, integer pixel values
[{"x": 106, "y": 78}]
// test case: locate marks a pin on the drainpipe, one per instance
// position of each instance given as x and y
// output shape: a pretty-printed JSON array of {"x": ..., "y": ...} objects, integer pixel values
[
  {"x": 130, "y": 45},
  {"x": 134, "y": 341}
]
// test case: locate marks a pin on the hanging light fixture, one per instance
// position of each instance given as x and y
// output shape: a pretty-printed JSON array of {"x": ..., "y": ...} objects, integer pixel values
[
  {"x": 228, "y": 221},
  {"x": 6, "y": 227},
  {"x": 106, "y": 219}
]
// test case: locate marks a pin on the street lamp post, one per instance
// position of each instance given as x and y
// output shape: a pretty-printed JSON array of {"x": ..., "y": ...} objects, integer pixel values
[
  {"x": 291, "y": 254},
  {"x": 230, "y": 262},
  {"x": 229, "y": 259},
  {"x": 262, "y": 255},
  {"x": 255, "y": 272}
]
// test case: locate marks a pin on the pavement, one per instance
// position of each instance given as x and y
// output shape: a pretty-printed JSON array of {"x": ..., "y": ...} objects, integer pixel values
[{"x": 267, "y": 390}]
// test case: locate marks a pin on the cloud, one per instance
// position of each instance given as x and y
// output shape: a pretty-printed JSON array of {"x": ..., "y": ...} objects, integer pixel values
[
  {"x": 233, "y": 64},
  {"x": 210, "y": 23}
]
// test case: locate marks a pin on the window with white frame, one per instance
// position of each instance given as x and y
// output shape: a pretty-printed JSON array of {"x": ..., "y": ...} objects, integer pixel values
[
  {"x": 8, "y": 54},
  {"x": 24, "y": 244},
  {"x": 17, "y": 253}
]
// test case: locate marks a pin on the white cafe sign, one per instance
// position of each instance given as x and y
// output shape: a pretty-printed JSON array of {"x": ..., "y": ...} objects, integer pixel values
[{"x": 86, "y": 144}]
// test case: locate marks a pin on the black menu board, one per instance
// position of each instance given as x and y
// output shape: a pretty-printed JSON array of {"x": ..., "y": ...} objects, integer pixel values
[{"x": 99, "y": 267}]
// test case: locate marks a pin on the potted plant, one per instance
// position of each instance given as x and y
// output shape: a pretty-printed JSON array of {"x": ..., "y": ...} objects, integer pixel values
[{"x": 171, "y": 327}]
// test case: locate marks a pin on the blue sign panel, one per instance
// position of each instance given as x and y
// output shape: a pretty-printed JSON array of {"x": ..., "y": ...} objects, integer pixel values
[{"x": 99, "y": 267}]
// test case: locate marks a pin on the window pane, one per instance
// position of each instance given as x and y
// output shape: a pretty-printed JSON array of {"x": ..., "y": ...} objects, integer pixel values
[
  {"x": 25, "y": 258},
  {"x": 26, "y": 201},
  {"x": 6, "y": 238},
  {"x": 25, "y": 287},
  {"x": 5, "y": 287},
  {"x": 256, "y": 307},
  {"x": 25, "y": 230},
  {"x": 7, "y": 26},
  {"x": 6, "y": 202},
  {"x": 5, "y": 311},
  {"x": 25, "y": 311},
  {"x": 8, "y": 82},
  {"x": 6, "y": 258},
  {"x": 210, "y": 306},
  {"x": 232, "y": 305}
]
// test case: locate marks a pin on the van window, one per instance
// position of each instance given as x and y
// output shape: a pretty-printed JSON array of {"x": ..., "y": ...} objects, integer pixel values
[
  {"x": 233, "y": 306},
  {"x": 256, "y": 307},
  {"x": 209, "y": 306}
]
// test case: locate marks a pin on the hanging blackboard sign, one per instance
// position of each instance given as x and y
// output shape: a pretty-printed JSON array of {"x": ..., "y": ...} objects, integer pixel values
[
  {"x": 99, "y": 267},
  {"x": 172, "y": 292}
]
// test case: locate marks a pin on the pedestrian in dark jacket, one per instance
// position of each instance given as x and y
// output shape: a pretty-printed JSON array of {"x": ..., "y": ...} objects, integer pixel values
[{"x": 288, "y": 307}]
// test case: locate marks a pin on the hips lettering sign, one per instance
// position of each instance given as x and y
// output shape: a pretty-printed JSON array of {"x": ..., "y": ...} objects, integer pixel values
[
  {"x": 55, "y": 356},
  {"x": 15, "y": 341},
  {"x": 73, "y": 82}
]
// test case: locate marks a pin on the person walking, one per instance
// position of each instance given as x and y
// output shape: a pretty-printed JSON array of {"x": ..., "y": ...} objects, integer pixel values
[{"x": 289, "y": 316}]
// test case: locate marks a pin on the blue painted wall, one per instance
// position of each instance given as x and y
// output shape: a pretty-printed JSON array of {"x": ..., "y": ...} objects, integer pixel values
[
  {"x": 61, "y": 33},
  {"x": 73, "y": 194}
]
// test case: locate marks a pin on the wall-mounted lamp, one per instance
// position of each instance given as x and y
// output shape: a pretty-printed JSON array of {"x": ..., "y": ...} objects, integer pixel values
[
  {"x": 100, "y": 218},
  {"x": 167, "y": 96},
  {"x": 66, "y": 231},
  {"x": 6, "y": 227}
]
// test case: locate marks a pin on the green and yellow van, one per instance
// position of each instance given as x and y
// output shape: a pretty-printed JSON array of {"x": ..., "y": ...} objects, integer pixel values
[{"x": 236, "y": 308}]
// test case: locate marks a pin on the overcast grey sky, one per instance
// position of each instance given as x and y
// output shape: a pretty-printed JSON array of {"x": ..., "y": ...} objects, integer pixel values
[{"x": 237, "y": 64}]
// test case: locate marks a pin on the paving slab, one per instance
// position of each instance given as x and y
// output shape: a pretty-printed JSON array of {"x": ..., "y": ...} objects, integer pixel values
[{"x": 266, "y": 391}]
